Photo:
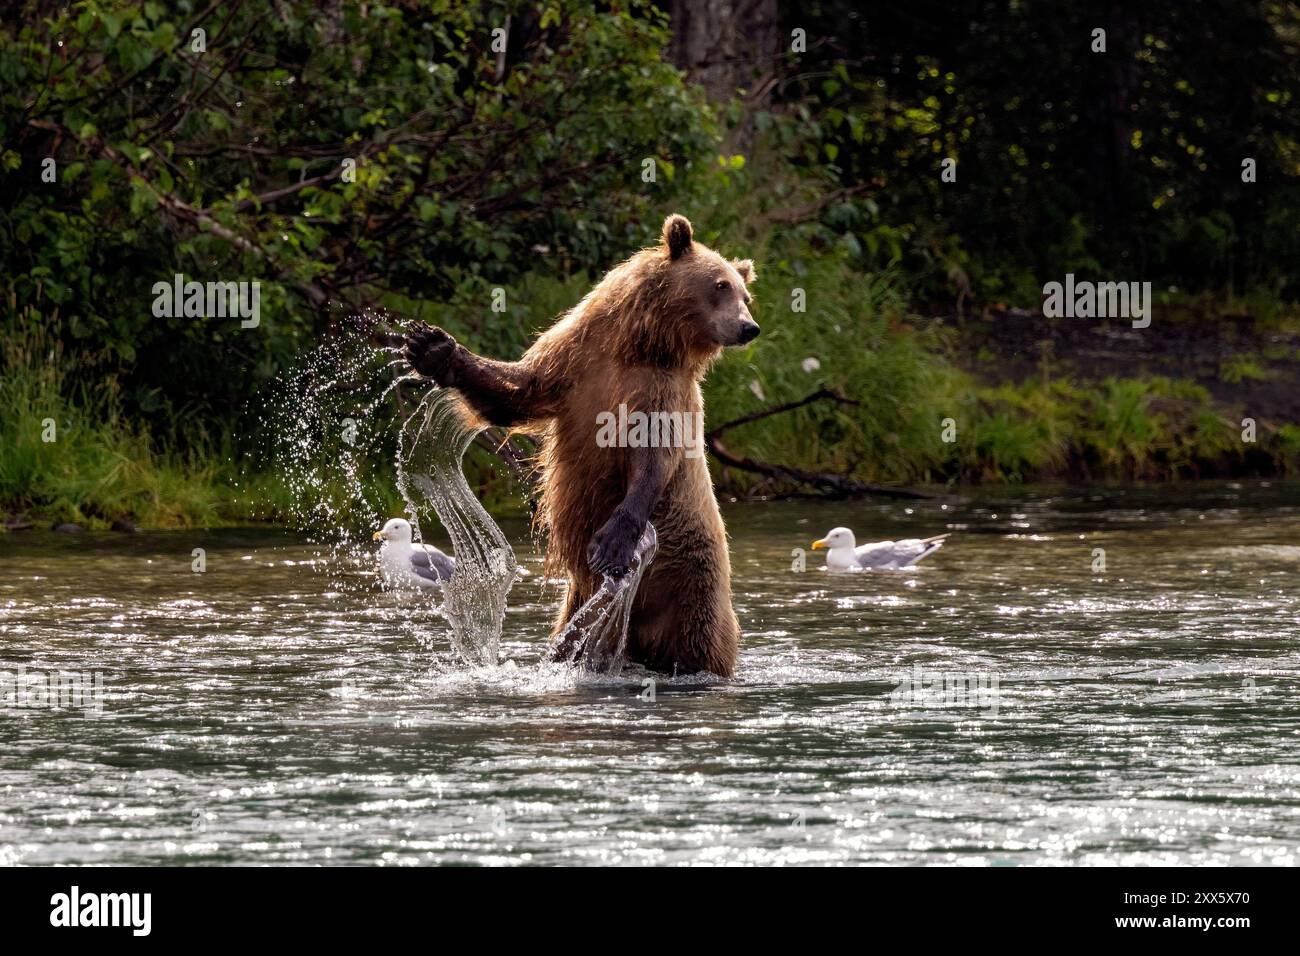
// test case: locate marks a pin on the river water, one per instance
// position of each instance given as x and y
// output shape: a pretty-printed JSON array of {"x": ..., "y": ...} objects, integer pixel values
[{"x": 1008, "y": 702}]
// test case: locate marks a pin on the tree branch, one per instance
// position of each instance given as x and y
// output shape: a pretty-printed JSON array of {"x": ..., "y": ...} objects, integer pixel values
[
  {"x": 797, "y": 214},
  {"x": 180, "y": 210},
  {"x": 821, "y": 393},
  {"x": 836, "y": 485}
]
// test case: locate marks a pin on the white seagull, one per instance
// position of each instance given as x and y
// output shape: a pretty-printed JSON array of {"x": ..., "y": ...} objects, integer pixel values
[
  {"x": 406, "y": 564},
  {"x": 845, "y": 554}
]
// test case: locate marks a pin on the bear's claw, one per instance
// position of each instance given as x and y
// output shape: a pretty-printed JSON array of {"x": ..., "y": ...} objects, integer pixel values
[
  {"x": 611, "y": 548},
  {"x": 430, "y": 351}
]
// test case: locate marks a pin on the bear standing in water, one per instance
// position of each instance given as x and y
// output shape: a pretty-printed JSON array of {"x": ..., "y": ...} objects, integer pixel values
[{"x": 643, "y": 338}]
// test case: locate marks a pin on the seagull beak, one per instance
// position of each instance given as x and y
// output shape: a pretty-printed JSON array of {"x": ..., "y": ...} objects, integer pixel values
[
  {"x": 377, "y": 536},
  {"x": 819, "y": 543}
]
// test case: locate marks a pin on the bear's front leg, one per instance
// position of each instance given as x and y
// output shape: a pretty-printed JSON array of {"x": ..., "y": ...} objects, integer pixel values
[
  {"x": 611, "y": 548},
  {"x": 504, "y": 393}
]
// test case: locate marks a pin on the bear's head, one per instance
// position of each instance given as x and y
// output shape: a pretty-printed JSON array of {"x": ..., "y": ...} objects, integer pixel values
[{"x": 709, "y": 292}]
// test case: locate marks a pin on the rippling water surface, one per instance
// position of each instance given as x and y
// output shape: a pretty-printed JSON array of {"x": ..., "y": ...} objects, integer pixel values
[{"x": 278, "y": 708}]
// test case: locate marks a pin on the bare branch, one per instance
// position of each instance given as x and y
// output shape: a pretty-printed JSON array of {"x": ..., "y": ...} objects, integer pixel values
[{"x": 836, "y": 485}]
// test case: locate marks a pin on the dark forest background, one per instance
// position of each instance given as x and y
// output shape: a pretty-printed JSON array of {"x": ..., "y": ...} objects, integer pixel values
[{"x": 810, "y": 137}]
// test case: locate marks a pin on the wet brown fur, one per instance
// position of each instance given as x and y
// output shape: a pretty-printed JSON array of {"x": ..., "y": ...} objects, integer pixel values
[{"x": 639, "y": 340}]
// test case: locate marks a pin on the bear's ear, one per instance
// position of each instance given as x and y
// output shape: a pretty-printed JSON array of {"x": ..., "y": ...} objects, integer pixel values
[
  {"x": 677, "y": 235},
  {"x": 746, "y": 269}
]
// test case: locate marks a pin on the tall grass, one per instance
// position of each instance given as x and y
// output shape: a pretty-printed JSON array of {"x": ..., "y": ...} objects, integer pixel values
[
  {"x": 100, "y": 465},
  {"x": 856, "y": 336},
  {"x": 67, "y": 453}
]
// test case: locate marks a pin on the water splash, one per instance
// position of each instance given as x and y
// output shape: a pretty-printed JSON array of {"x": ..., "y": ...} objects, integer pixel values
[
  {"x": 596, "y": 636},
  {"x": 335, "y": 424},
  {"x": 431, "y": 447},
  {"x": 327, "y": 428}
]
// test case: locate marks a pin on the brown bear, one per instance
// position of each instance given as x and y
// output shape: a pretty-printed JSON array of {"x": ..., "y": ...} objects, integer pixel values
[{"x": 643, "y": 338}]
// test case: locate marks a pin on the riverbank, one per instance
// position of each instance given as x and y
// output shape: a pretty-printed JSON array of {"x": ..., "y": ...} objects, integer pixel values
[
  {"x": 940, "y": 401},
  {"x": 1208, "y": 390}
]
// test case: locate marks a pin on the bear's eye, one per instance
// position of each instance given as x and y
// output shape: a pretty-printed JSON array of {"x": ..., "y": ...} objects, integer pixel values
[{"x": 722, "y": 284}]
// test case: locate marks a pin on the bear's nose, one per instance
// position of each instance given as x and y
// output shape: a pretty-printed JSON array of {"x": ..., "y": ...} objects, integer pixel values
[{"x": 748, "y": 332}]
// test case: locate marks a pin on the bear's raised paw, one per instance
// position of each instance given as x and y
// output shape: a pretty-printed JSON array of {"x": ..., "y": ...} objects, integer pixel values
[{"x": 430, "y": 351}]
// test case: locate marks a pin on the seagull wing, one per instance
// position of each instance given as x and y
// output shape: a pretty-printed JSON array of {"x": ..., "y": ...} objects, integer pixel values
[
  {"x": 877, "y": 554},
  {"x": 430, "y": 564},
  {"x": 897, "y": 554}
]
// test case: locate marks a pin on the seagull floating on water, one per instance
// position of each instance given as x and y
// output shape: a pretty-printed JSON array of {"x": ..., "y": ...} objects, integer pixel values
[
  {"x": 845, "y": 554},
  {"x": 403, "y": 563}
]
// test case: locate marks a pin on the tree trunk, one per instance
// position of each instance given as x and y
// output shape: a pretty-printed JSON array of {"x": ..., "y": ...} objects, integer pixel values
[{"x": 723, "y": 45}]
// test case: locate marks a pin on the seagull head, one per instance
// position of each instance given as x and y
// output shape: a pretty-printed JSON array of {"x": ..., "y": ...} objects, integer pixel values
[
  {"x": 398, "y": 530},
  {"x": 835, "y": 539}
]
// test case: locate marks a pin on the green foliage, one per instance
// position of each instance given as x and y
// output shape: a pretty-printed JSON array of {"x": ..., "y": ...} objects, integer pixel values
[
  {"x": 523, "y": 171},
  {"x": 99, "y": 466},
  {"x": 229, "y": 164},
  {"x": 856, "y": 338},
  {"x": 1022, "y": 432},
  {"x": 1242, "y": 368},
  {"x": 1127, "y": 162}
]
